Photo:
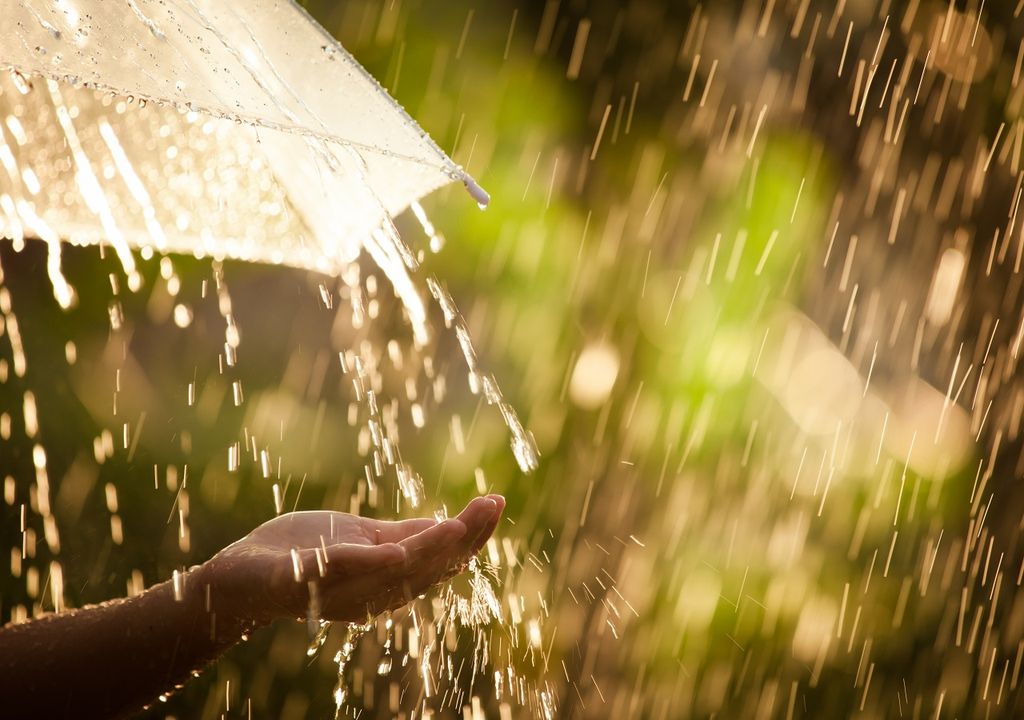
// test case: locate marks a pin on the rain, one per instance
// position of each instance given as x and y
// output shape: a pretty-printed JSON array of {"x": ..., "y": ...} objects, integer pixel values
[{"x": 723, "y": 298}]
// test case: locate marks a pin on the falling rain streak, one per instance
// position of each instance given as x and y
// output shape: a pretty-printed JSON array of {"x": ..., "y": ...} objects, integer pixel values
[{"x": 753, "y": 278}]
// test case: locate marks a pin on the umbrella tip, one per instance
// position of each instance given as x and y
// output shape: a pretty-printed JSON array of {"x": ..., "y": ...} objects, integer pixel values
[{"x": 479, "y": 194}]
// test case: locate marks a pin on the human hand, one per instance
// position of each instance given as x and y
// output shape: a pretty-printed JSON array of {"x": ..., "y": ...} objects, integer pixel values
[{"x": 358, "y": 566}]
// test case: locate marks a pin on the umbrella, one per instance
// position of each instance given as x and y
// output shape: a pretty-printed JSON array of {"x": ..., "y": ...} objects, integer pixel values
[{"x": 233, "y": 130}]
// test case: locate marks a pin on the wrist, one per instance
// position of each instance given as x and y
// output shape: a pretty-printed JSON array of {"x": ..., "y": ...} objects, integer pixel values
[{"x": 220, "y": 606}]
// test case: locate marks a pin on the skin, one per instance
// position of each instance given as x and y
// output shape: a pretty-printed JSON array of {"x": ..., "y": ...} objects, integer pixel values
[{"x": 110, "y": 660}]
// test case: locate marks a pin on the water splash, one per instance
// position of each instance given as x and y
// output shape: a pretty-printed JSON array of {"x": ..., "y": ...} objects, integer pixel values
[
  {"x": 524, "y": 446},
  {"x": 342, "y": 658}
]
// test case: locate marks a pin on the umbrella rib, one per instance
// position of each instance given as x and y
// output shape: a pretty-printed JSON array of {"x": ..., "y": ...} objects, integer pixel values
[{"x": 443, "y": 164}]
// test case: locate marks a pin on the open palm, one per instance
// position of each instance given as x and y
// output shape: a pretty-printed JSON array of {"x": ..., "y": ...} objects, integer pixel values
[{"x": 349, "y": 566}]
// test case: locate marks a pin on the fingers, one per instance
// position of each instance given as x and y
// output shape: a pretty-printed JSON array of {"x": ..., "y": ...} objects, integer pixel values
[
  {"x": 352, "y": 559},
  {"x": 479, "y": 518},
  {"x": 412, "y": 556},
  {"x": 477, "y": 515},
  {"x": 489, "y": 527},
  {"x": 380, "y": 531},
  {"x": 432, "y": 540},
  {"x": 423, "y": 558}
]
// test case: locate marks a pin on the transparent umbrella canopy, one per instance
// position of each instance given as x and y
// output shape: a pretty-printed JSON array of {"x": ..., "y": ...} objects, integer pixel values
[{"x": 233, "y": 130}]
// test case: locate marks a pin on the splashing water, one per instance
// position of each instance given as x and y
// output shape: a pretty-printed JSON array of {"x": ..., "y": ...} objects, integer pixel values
[
  {"x": 123, "y": 154},
  {"x": 342, "y": 658},
  {"x": 524, "y": 447}
]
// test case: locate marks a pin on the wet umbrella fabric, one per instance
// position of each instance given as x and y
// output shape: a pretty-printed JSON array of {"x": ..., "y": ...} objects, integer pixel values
[{"x": 239, "y": 130}]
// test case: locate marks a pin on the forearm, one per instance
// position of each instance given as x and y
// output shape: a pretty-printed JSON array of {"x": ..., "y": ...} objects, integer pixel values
[{"x": 109, "y": 660}]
